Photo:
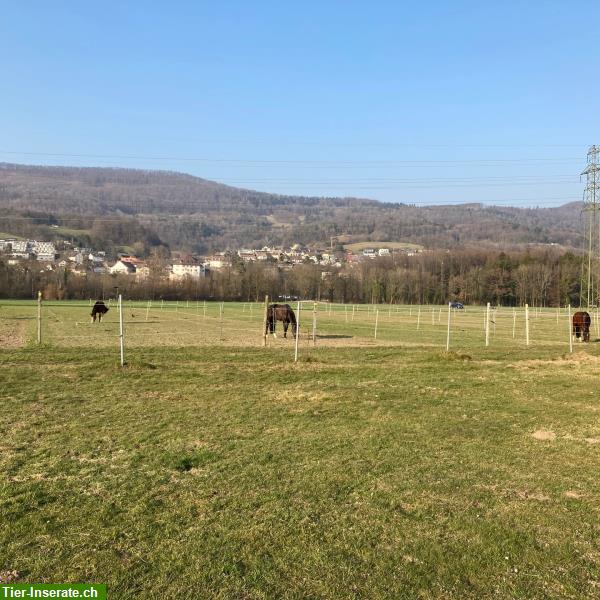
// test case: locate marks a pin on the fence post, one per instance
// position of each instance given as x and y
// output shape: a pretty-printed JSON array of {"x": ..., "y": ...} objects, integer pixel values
[
  {"x": 570, "y": 331},
  {"x": 376, "y": 321},
  {"x": 418, "y": 318},
  {"x": 39, "y": 319},
  {"x": 264, "y": 331},
  {"x": 204, "y": 310},
  {"x": 514, "y": 321},
  {"x": 121, "y": 331},
  {"x": 487, "y": 325},
  {"x": 353, "y": 309},
  {"x": 221, "y": 322},
  {"x": 527, "y": 324},
  {"x": 314, "y": 324},
  {"x": 297, "y": 333},
  {"x": 147, "y": 310},
  {"x": 448, "y": 333}
]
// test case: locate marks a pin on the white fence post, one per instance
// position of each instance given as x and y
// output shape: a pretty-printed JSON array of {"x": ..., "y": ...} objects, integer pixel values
[
  {"x": 39, "y": 319},
  {"x": 376, "y": 321},
  {"x": 514, "y": 321},
  {"x": 570, "y": 331},
  {"x": 221, "y": 322},
  {"x": 448, "y": 333},
  {"x": 314, "y": 324},
  {"x": 527, "y": 324},
  {"x": 418, "y": 318},
  {"x": 121, "y": 331},
  {"x": 297, "y": 333},
  {"x": 265, "y": 322},
  {"x": 487, "y": 325}
]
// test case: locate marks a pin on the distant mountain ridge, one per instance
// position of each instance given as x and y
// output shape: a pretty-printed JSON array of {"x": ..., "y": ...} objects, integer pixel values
[{"x": 195, "y": 214}]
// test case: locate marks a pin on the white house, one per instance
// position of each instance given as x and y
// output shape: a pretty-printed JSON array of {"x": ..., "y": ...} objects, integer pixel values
[
  {"x": 183, "y": 270},
  {"x": 122, "y": 268}
]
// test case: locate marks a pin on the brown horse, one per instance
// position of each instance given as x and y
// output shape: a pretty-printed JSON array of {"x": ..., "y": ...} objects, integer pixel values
[
  {"x": 99, "y": 310},
  {"x": 581, "y": 326},
  {"x": 280, "y": 312}
]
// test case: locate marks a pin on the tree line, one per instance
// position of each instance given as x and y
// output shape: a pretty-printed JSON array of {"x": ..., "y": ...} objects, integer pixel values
[{"x": 539, "y": 277}]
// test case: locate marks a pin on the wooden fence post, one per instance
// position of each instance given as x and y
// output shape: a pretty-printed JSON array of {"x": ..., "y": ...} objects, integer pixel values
[
  {"x": 487, "y": 325},
  {"x": 527, "y": 324},
  {"x": 418, "y": 318},
  {"x": 376, "y": 321}
]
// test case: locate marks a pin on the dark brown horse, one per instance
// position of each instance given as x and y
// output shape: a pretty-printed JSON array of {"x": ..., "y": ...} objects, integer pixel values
[
  {"x": 581, "y": 326},
  {"x": 99, "y": 310},
  {"x": 280, "y": 312}
]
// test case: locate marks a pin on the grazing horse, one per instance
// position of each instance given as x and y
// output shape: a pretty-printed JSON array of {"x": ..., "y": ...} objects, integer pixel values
[
  {"x": 280, "y": 312},
  {"x": 581, "y": 326},
  {"x": 99, "y": 310}
]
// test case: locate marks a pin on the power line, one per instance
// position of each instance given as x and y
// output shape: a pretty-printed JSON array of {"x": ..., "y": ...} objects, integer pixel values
[{"x": 259, "y": 162}]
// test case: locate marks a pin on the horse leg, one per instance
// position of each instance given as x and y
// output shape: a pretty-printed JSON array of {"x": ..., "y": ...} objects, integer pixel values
[
  {"x": 285, "y": 328},
  {"x": 93, "y": 318}
]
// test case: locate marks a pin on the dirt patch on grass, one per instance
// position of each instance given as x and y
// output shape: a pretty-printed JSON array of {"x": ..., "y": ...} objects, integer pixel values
[
  {"x": 544, "y": 435},
  {"x": 572, "y": 494},
  {"x": 12, "y": 336},
  {"x": 536, "y": 496}
]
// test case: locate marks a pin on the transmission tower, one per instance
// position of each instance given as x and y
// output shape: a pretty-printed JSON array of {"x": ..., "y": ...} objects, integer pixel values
[{"x": 591, "y": 206}]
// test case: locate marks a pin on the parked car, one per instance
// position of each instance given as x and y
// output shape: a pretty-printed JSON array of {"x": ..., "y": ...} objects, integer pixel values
[{"x": 456, "y": 305}]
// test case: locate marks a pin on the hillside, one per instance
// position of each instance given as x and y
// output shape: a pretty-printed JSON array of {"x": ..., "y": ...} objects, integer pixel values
[{"x": 108, "y": 205}]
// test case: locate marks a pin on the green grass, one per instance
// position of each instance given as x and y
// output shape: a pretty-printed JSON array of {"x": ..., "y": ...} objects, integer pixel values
[
  {"x": 69, "y": 231},
  {"x": 359, "y": 246},
  {"x": 363, "y": 471}
]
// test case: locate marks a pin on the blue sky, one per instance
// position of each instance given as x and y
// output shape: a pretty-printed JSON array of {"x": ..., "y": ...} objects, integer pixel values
[{"x": 432, "y": 102}]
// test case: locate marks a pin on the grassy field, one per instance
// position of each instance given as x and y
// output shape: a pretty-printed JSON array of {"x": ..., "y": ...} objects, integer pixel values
[
  {"x": 211, "y": 467},
  {"x": 359, "y": 246}
]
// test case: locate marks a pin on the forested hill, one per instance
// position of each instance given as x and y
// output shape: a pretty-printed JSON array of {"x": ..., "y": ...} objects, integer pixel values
[{"x": 124, "y": 206}]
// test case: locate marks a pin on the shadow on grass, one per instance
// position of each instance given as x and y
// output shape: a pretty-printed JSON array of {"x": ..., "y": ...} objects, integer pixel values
[{"x": 334, "y": 337}]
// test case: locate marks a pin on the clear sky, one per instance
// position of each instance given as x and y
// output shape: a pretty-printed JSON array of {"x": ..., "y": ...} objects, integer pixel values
[{"x": 429, "y": 102}]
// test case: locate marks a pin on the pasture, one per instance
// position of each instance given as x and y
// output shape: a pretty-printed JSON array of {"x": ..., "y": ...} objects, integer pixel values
[{"x": 374, "y": 467}]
